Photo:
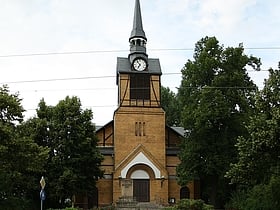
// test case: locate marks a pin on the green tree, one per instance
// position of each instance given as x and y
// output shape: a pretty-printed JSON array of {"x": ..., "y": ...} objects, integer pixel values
[
  {"x": 263, "y": 196},
  {"x": 74, "y": 159},
  {"x": 216, "y": 94},
  {"x": 21, "y": 159},
  {"x": 170, "y": 104},
  {"x": 258, "y": 153}
]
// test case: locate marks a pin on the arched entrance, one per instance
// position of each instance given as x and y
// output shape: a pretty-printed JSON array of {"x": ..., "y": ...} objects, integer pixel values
[
  {"x": 141, "y": 185},
  {"x": 141, "y": 175}
]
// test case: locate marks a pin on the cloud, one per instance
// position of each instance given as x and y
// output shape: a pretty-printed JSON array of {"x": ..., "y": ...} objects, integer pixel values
[{"x": 42, "y": 26}]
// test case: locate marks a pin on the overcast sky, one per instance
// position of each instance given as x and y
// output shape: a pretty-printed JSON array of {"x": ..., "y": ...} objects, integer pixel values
[{"x": 53, "y": 48}]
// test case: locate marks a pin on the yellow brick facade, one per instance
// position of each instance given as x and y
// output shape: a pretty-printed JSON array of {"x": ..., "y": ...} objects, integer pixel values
[{"x": 138, "y": 140}]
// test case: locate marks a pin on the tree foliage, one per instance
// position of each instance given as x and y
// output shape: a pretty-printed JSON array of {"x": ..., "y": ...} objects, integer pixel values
[
  {"x": 258, "y": 197},
  {"x": 21, "y": 159},
  {"x": 258, "y": 153},
  {"x": 170, "y": 104},
  {"x": 74, "y": 160},
  {"x": 216, "y": 94}
]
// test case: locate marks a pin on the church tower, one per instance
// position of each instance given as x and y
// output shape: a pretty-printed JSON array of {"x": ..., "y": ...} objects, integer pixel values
[
  {"x": 138, "y": 77},
  {"x": 139, "y": 121},
  {"x": 140, "y": 151}
]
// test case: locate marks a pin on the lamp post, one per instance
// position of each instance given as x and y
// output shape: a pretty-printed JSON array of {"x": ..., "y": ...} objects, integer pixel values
[{"x": 42, "y": 192}]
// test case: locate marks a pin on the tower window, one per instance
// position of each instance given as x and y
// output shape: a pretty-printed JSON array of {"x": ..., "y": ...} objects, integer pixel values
[
  {"x": 140, "y": 86},
  {"x": 140, "y": 129}
]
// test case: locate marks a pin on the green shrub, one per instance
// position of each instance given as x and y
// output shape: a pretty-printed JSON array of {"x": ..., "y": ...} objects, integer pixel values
[
  {"x": 170, "y": 208},
  {"x": 107, "y": 208},
  {"x": 259, "y": 197},
  {"x": 237, "y": 201},
  {"x": 15, "y": 203},
  {"x": 71, "y": 208},
  {"x": 68, "y": 208},
  {"x": 191, "y": 204}
]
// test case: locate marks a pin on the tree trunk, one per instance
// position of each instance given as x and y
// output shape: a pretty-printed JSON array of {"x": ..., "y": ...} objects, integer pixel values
[{"x": 210, "y": 190}]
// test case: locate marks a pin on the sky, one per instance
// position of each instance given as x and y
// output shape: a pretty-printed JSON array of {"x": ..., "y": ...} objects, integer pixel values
[{"x": 56, "y": 48}]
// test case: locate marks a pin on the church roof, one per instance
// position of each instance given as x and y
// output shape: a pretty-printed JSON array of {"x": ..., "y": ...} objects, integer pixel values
[
  {"x": 180, "y": 130},
  {"x": 137, "y": 29}
]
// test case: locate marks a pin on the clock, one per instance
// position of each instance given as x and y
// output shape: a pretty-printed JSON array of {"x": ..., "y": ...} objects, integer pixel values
[{"x": 139, "y": 64}]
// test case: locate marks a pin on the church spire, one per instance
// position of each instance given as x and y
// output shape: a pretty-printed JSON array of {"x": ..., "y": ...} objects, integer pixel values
[
  {"x": 137, "y": 30},
  {"x": 137, "y": 38}
]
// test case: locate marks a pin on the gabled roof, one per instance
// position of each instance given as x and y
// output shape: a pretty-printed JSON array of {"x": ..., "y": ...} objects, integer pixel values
[
  {"x": 180, "y": 130},
  {"x": 99, "y": 127},
  {"x": 140, "y": 155}
]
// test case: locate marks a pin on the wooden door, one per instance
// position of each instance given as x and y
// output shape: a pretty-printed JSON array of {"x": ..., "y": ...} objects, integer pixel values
[{"x": 141, "y": 190}]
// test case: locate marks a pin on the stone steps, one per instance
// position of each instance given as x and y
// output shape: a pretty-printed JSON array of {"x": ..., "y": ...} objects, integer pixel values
[
  {"x": 129, "y": 203},
  {"x": 139, "y": 207}
]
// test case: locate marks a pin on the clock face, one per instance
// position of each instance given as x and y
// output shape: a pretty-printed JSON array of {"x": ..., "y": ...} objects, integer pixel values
[{"x": 139, "y": 64}]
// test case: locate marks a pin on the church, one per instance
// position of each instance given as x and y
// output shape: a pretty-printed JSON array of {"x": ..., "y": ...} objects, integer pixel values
[{"x": 140, "y": 151}]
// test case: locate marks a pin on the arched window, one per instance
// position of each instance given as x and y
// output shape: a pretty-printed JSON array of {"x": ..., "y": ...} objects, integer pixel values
[{"x": 184, "y": 193}]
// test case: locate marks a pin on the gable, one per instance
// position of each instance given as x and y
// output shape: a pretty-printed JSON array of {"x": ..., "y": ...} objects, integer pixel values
[
  {"x": 140, "y": 156},
  {"x": 105, "y": 134},
  {"x": 174, "y": 136}
]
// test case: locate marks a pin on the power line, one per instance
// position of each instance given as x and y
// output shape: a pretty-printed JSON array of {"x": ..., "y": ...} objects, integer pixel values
[
  {"x": 117, "y": 51},
  {"x": 56, "y": 79},
  {"x": 87, "y": 107},
  {"x": 62, "y": 53},
  {"x": 90, "y": 77},
  {"x": 69, "y": 78},
  {"x": 189, "y": 87},
  {"x": 115, "y": 88}
]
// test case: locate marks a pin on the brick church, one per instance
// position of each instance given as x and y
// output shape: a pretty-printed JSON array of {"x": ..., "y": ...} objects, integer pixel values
[{"x": 140, "y": 150}]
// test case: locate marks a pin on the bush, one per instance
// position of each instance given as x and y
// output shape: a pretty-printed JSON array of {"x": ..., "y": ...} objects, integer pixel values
[
  {"x": 107, "y": 208},
  {"x": 170, "y": 208},
  {"x": 259, "y": 197},
  {"x": 15, "y": 203},
  {"x": 237, "y": 201},
  {"x": 68, "y": 208},
  {"x": 191, "y": 204}
]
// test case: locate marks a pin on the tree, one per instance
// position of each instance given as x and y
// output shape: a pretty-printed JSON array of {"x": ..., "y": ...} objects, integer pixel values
[
  {"x": 258, "y": 153},
  {"x": 263, "y": 196},
  {"x": 170, "y": 104},
  {"x": 216, "y": 94},
  {"x": 21, "y": 159},
  {"x": 74, "y": 160}
]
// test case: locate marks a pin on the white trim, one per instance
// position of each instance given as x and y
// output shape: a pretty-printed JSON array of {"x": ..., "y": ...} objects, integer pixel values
[{"x": 141, "y": 159}]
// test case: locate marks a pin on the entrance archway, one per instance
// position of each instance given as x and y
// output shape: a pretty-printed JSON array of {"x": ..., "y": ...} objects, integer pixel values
[
  {"x": 141, "y": 185},
  {"x": 141, "y": 176}
]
